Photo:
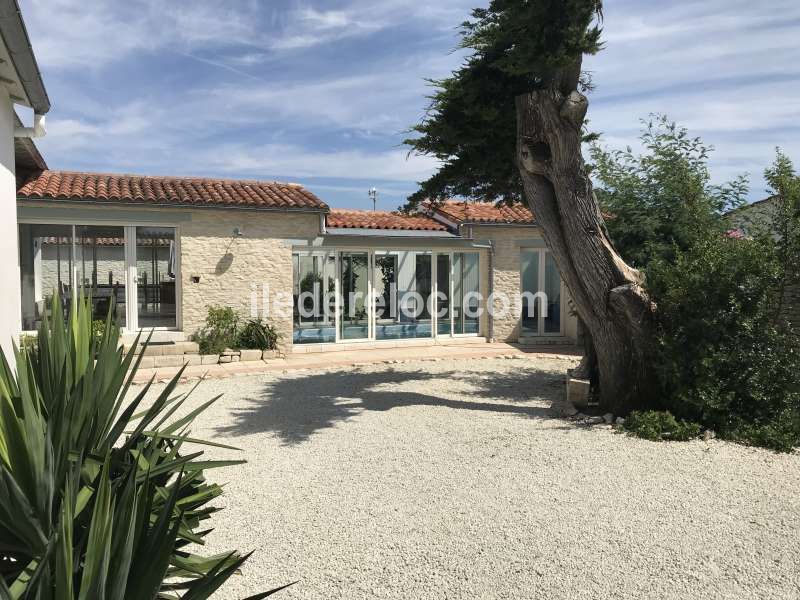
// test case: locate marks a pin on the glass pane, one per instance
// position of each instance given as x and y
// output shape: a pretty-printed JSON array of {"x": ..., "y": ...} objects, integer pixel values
[
  {"x": 552, "y": 287},
  {"x": 100, "y": 268},
  {"x": 466, "y": 286},
  {"x": 530, "y": 285},
  {"x": 314, "y": 300},
  {"x": 402, "y": 289},
  {"x": 443, "y": 309},
  {"x": 45, "y": 260},
  {"x": 355, "y": 286},
  {"x": 156, "y": 265}
]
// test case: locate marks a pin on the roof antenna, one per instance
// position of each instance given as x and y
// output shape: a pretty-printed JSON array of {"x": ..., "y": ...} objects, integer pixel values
[{"x": 373, "y": 194}]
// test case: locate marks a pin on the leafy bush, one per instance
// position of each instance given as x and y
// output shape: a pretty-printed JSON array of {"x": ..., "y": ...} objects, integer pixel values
[
  {"x": 725, "y": 355},
  {"x": 255, "y": 334},
  {"x": 223, "y": 330},
  {"x": 661, "y": 200},
  {"x": 98, "y": 500},
  {"x": 657, "y": 426},
  {"x": 220, "y": 330}
]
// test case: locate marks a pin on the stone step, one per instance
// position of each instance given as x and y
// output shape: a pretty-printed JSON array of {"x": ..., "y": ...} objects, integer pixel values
[
  {"x": 158, "y": 361},
  {"x": 165, "y": 349}
]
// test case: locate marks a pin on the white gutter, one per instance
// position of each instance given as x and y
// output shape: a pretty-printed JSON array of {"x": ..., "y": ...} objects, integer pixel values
[{"x": 38, "y": 130}]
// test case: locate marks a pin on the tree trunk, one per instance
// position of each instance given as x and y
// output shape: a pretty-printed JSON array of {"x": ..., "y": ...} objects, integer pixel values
[{"x": 607, "y": 293}]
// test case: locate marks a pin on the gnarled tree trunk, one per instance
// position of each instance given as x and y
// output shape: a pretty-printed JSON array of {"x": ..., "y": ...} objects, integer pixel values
[{"x": 607, "y": 293}]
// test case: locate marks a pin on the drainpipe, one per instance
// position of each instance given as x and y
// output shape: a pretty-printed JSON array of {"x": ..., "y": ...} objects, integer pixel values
[{"x": 38, "y": 130}]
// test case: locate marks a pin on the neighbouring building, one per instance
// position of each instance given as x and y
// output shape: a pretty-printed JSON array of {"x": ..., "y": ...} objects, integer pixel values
[
  {"x": 759, "y": 216},
  {"x": 161, "y": 250}
]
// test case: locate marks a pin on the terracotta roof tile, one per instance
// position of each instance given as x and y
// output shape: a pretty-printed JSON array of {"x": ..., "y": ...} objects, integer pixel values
[
  {"x": 368, "y": 219},
  {"x": 483, "y": 212},
  {"x": 142, "y": 189}
]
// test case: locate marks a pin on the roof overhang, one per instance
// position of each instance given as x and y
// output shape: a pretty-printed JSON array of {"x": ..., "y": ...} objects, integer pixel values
[
  {"x": 404, "y": 233},
  {"x": 19, "y": 71},
  {"x": 26, "y": 155},
  {"x": 387, "y": 242},
  {"x": 122, "y": 205}
]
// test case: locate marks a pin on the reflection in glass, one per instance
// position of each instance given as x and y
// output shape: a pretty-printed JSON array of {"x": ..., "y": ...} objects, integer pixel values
[
  {"x": 155, "y": 276},
  {"x": 314, "y": 289},
  {"x": 539, "y": 273},
  {"x": 443, "y": 308},
  {"x": 402, "y": 289},
  {"x": 552, "y": 287},
  {"x": 466, "y": 285},
  {"x": 530, "y": 283},
  {"x": 354, "y": 274},
  {"x": 46, "y": 265}
]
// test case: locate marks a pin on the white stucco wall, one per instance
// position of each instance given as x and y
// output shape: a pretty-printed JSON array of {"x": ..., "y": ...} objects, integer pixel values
[{"x": 10, "y": 309}]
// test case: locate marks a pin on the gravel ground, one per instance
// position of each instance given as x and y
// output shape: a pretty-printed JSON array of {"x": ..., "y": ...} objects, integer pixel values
[{"x": 454, "y": 479}]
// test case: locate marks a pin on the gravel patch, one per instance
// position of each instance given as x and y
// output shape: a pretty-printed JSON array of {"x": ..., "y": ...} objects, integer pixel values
[{"x": 456, "y": 479}]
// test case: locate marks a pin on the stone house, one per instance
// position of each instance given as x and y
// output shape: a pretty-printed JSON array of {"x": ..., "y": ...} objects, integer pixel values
[{"x": 161, "y": 250}]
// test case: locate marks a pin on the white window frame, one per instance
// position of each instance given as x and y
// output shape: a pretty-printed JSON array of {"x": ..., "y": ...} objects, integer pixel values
[
  {"x": 370, "y": 300},
  {"x": 131, "y": 287},
  {"x": 543, "y": 253}
]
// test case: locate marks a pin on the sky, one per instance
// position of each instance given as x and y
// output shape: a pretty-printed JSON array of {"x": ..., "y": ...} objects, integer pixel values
[{"x": 322, "y": 93}]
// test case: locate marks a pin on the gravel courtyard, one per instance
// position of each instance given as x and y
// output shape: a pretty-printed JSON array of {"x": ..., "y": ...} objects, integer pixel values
[{"x": 455, "y": 479}]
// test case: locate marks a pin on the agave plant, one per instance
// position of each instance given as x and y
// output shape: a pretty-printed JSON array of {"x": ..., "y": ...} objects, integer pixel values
[{"x": 99, "y": 499}]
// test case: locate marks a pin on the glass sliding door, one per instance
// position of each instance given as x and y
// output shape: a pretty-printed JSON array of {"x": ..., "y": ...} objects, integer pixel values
[
  {"x": 128, "y": 270},
  {"x": 466, "y": 288},
  {"x": 552, "y": 287},
  {"x": 314, "y": 298},
  {"x": 529, "y": 275},
  {"x": 46, "y": 266},
  {"x": 444, "y": 315},
  {"x": 402, "y": 288},
  {"x": 541, "y": 288},
  {"x": 100, "y": 269},
  {"x": 156, "y": 266},
  {"x": 354, "y": 277}
]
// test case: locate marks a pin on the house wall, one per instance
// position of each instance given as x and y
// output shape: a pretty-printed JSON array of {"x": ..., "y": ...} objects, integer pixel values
[
  {"x": 10, "y": 307},
  {"x": 231, "y": 268},
  {"x": 508, "y": 242}
]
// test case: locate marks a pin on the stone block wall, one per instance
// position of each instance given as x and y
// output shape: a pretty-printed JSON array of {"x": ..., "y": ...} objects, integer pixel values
[{"x": 230, "y": 268}]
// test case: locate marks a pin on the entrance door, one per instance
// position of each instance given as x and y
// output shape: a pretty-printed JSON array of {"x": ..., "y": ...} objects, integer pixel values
[
  {"x": 354, "y": 311},
  {"x": 155, "y": 268},
  {"x": 541, "y": 286}
]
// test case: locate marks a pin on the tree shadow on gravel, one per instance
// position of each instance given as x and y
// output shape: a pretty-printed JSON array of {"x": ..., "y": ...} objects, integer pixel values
[{"x": 294, "y": 408}]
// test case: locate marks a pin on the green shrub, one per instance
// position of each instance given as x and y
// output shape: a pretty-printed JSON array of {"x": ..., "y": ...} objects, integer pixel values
[
  {"x": 98, "y": 500},
  {"x": 657, "y": 426},
  {"x": 27, "y": 342},
  {"x": 725, "y": 355},
  {"x": 256, "y": 334},
  {"x": 220, "y": 330}
]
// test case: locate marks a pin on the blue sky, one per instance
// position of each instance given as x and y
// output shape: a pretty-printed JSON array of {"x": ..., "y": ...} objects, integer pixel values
[{"x": 321, "y": 92}]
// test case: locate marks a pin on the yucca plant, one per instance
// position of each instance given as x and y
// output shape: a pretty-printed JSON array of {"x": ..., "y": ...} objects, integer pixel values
[{"x": 99, "y": 500}]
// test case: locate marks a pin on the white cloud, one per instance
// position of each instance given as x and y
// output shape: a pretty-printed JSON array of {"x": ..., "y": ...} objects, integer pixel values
[{"x": 393, "y": 165}]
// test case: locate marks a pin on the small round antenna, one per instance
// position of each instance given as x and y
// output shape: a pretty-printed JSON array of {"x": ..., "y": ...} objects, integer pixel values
[{"x": 373, "y": 194}]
